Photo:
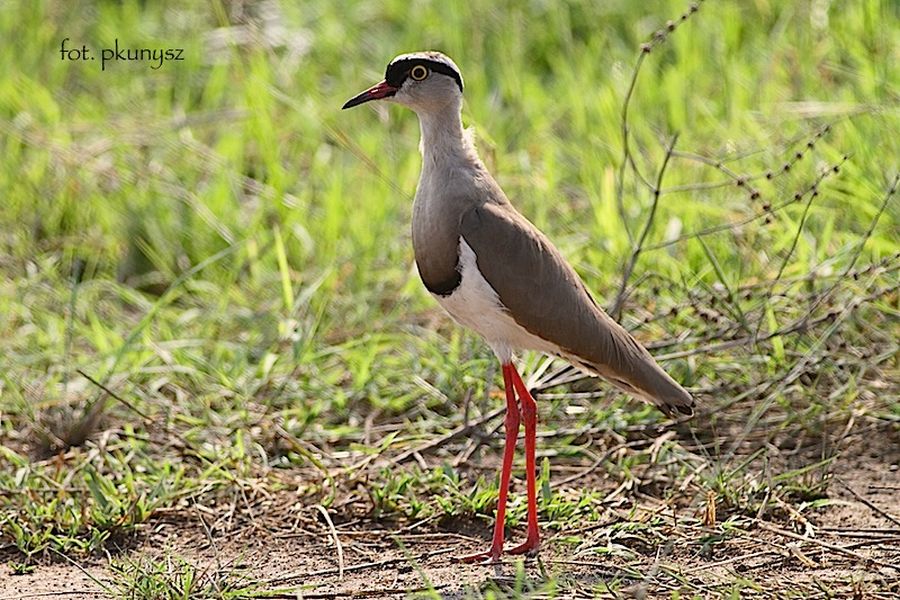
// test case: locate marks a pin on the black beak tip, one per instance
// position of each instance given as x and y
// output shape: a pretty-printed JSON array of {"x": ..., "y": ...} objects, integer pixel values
[{"x": 356, "y": 101}]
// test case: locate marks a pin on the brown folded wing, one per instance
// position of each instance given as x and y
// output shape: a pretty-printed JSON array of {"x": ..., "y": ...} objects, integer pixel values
[{"x": 544, "y": 295}]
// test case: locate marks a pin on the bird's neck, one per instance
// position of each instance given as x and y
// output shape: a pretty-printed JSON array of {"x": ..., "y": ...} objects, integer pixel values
[{"x": 444, "y": 142}]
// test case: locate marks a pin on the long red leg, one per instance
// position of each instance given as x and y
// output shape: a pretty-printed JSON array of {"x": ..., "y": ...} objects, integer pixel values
[
  {"x": 512, "y": 431},
  {"x": 529, "y": 415}
]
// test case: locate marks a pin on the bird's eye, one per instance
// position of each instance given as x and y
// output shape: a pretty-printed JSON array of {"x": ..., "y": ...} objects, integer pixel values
[{"x": 418, "y": 73}]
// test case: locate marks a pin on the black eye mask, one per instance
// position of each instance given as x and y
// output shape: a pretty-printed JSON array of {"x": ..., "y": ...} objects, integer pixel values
[{"x": 398, "y": 71}]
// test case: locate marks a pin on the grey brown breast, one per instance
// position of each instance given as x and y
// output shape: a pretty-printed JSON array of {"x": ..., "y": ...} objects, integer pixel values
[{"x": 435, "y": 236}]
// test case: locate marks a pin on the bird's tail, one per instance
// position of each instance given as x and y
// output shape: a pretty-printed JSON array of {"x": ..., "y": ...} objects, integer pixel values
[
  {"x": 666, "y": 394},
  {"x": 630, "y": 367}
]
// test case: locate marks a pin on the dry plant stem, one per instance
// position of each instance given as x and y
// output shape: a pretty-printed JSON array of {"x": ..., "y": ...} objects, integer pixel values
[
  {"x": 301, "y": 449},
  {"x": 724, "y": 338},
  {"x": 887, "y": 198},
  {"x": 616, "y": 309},
  {"x": 626, "y": 150},
  {"x": 744, "y": 180},
  {"x": 826, "y": 545},
  {"x": 596, "y": 464},
  {"x": 776, "y": 386},
  {"x": 867, "y": 502},
  {"x": 886, "y": 265},
  {"x": 87, "y": 574},
  {"x": 363, "y": 593},
  {"x": 813, "y": 192},
  {"x": 77, "y": 593},
  {"x": 449, "y": 436},
  {"x": 360, "y": 567},
  {"x": 658, "y": 38},
  {"x": 800, "y": 325},
  {"x": 337, "y": 540},
  {"x": 740, "y": 222},
  {"x": 115, "y": 396}
]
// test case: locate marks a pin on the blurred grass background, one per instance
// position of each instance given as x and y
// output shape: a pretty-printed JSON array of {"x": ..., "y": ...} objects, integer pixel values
[{"x": 224, "y": 249}]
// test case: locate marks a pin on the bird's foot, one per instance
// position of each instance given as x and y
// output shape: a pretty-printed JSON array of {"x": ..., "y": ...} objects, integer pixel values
[
  {"x": 485, "y": 558},
  {"x": 530, "y": 547}
]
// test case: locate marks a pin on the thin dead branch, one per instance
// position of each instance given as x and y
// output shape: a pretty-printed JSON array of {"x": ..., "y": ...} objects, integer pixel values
[{"x": 616, "y": 308}]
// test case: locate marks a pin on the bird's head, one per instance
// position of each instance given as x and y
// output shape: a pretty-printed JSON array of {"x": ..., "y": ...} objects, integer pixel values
[{"x": 423, "y": 81}]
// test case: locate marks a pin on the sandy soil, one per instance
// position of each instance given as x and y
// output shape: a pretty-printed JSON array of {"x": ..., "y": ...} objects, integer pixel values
[{"x": 278, "y": 543}]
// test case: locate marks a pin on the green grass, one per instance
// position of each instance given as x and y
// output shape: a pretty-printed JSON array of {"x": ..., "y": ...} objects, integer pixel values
[
  {"x": 228, "y": 253},
  {"x": 173, "y": 578}
]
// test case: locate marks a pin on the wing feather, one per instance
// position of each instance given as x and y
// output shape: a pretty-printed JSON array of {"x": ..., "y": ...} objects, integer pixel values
[{"x": 544, "y": 295}]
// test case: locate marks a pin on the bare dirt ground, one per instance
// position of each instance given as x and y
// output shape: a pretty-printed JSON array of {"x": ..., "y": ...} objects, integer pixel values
[{"x": 280, "y": 545}]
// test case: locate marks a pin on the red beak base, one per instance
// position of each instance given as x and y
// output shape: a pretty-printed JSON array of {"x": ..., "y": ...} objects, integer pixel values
[{"x": 376, "y": 92}]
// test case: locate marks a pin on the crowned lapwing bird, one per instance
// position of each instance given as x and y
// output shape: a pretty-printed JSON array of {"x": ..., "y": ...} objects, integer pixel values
[{"x": 497, "y": 274}]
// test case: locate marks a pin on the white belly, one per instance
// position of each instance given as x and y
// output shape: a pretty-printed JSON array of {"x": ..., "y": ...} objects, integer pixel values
[{"x": 475, "y": 304}]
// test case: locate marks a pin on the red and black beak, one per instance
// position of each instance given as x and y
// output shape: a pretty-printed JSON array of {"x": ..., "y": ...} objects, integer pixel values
[{"x": 376, "y": 92}]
